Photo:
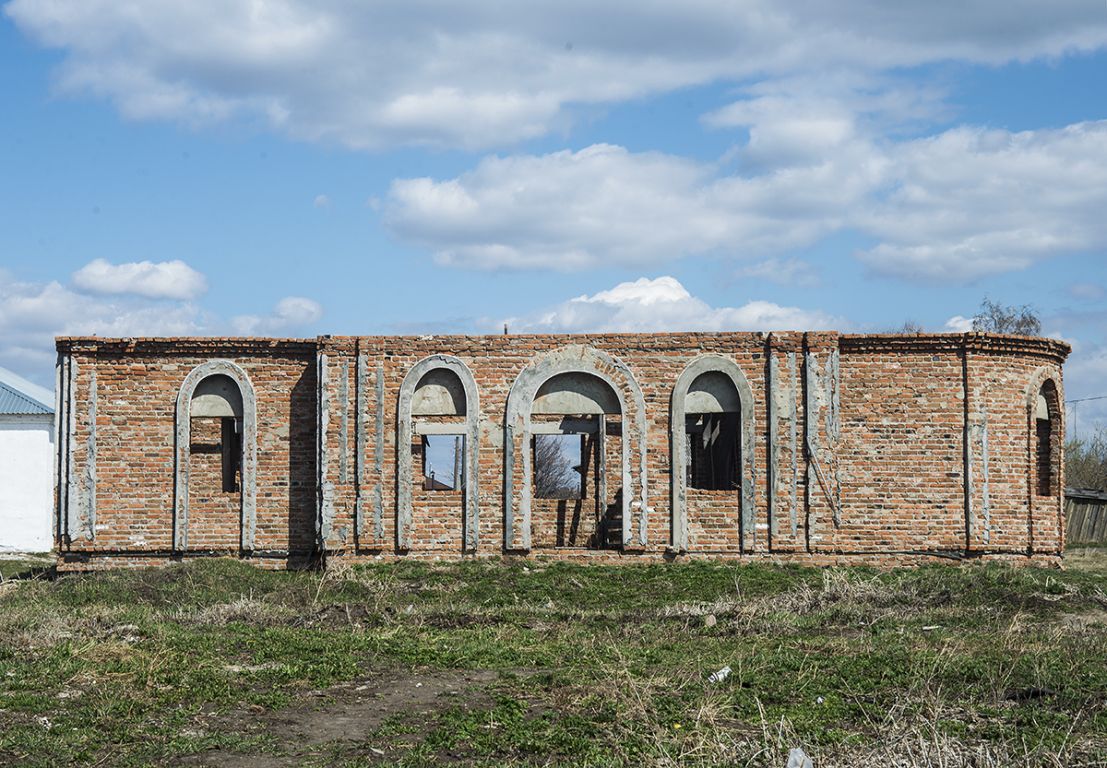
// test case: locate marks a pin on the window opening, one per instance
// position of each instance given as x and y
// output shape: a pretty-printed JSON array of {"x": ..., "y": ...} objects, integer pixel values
[
  {"x": 561, "y": 465},
  {"x": 231, "y": 447},
  {"x": 443, "y": 462},
  {"x": 1044, "y": 445},
  {"x": 713, "y": 451}
]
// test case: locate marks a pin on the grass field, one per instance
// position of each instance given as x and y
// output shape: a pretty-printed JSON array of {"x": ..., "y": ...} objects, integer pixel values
[{"x": 218, "y": 663}]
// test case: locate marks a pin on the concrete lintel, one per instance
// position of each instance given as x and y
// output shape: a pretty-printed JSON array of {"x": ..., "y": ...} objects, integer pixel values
[
  {"x": 440, "y": 428},
  {"x": 567, "y": 426}
]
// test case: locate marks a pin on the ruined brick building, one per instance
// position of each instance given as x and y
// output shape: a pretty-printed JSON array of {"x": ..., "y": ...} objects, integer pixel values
[{"x": 813, "y": 447}]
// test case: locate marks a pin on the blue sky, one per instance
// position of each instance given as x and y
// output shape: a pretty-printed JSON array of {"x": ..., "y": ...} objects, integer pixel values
[{"x": 293, "y": 168}]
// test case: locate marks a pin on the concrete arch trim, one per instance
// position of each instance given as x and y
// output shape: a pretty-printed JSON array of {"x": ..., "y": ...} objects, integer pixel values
[
  {"x": 1038, "y": 380},
  {"x": 404, "y": 433},
  {"x": 678, "y": 448},
  {"x": 574, "y": 358},
  {"x": 183, "y": 439},
  {"x": 1042, "y": 376}
]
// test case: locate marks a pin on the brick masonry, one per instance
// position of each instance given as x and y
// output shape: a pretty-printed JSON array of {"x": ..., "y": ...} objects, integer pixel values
[{"x": 883, "y": 449}]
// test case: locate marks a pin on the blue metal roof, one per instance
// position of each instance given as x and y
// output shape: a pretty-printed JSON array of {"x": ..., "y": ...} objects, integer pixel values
[
  {"x": 19, "y": 397},
  {"x": 12, "y": 401}
]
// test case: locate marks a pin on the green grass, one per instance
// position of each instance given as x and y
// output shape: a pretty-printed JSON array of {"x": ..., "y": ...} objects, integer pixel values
[{"x": 593, "y": 665}]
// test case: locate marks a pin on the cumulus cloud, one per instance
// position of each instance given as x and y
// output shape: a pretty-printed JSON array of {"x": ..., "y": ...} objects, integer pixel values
[
  {"x": 959, "y": 324},
  {"x": 154, "y": 280},
  {"x": 957, "y": 206},
  {"x": 664, "y": 304},
  {"x": 486, "y": 74},
  {"x": 290, "y": 312},
  {"x": 32, "y": 314},
  {"x": 605, "y": 205},
  {"x": 972, "y": 202}
]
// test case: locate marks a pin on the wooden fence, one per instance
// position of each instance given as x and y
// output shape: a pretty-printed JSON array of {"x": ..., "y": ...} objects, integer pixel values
[{"x": 1085, "y": 516}]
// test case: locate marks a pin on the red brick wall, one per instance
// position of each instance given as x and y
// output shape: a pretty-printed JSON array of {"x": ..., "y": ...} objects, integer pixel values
[
  {"x": 137, "y": 386},
  {"x": 888, "y": 429}
]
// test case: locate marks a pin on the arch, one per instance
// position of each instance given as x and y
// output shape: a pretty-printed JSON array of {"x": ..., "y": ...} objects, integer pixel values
[
  {"x": 575, "y": 392},
  {"x": 431, "y": 388},
  {"x": 701, "y": 384},
  {"x": 223, "y": 371},
  {"x": 439, "y": 392},
  {"x": 574, "y": 359},
  {"x": 217, "y": 395},
  {"x": 1044, "y": 421}
]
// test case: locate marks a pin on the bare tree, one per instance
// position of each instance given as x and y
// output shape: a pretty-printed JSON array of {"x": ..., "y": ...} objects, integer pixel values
[
  {"x": 1086, "y": 461},
  {"x": 555, "y": 477},
  {"x": 994, "y": 317},
  {"x": 909, "y": 326}
]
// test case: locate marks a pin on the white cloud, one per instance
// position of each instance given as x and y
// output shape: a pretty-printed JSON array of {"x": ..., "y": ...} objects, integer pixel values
[
  {"x": 290, "y": 312},
  {"x": 663, "y": 304},
  {"x": 154, "y": 280},
  {"x": 953, "y": 207},
  {"x": 604, "y": 205},
  {"x": 321, "y": 201},
  {"x": 971, "y": 202},
  {"x": 959, "y": 324},
  {"x": 33, "y": 314},
  {"x": 485, "y": 74}
]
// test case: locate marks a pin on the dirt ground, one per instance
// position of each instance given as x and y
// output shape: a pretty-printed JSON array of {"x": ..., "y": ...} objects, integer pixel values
[{"x": 346, "y": 715}]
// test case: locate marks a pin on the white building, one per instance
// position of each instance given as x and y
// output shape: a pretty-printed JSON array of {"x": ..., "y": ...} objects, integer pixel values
[{"x": 26, "y": 465}]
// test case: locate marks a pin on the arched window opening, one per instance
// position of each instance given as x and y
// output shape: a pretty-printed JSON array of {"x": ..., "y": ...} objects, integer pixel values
[
  {"x": 571, "y": 417},
  {"x": 712, "y": 429},
  {"x": 438, "y": 409},
  {"x": 438, "y": 421},
  {"x": 216, "y": 415},
  {"x": 215, "y": 463},
  {"x": 711, "y": 450},
  {"x": 1046, "y": 440}
]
